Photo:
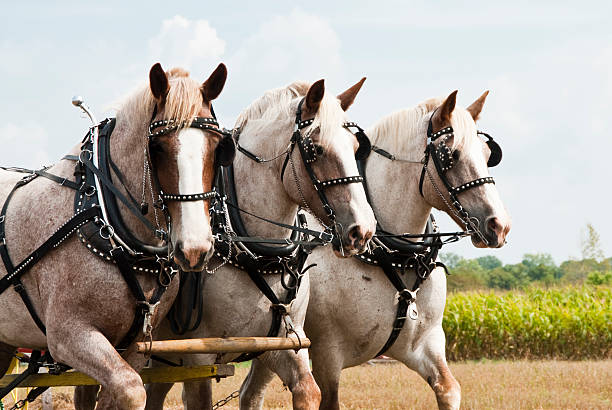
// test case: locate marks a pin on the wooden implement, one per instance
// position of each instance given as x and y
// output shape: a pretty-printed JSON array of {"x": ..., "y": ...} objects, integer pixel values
[
  {"x": 154, "y": 375},
  {"x": 223, "y": 345}
]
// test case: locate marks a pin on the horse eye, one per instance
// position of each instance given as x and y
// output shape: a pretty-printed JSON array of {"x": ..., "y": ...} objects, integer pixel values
[
  {"x": 319, "y": 149},
  {"x": 456, "y": 155},
  {"x": 155, "y": 146}
]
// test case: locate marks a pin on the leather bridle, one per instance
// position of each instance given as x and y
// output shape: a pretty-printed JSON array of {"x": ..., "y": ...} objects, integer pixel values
[
  {"x": 165, "y": 127},
  {"x": 309, "y": 153},
  {"x": 442, "y": 157}
]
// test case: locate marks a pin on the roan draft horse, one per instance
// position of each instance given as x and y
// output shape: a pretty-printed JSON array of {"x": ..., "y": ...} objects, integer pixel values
[
  {"x": 295, "y": 150},
  {"x": 80, "y": 300},
  {"x": 391, "y": 300}
]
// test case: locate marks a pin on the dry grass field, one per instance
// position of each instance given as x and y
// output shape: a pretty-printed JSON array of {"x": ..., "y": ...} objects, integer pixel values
[{"x": 486, "y": 385}]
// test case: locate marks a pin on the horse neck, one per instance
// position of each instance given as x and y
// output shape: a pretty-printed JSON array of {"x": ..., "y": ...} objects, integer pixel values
[
  {"x": 260, "y": 190},
  {"x": 394, "y": 185},
  {"x": 127, "y": 151}
]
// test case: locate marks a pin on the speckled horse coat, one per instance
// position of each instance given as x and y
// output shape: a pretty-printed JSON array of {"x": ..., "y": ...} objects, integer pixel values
[{"x": 83, "y": 300}]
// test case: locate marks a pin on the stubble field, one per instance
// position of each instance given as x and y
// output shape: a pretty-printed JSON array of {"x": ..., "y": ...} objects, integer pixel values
[{"x": 485, "y": 385}]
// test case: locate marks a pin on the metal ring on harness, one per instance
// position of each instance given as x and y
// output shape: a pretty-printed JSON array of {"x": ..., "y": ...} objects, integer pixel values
[
  {"x": 164, "y": 279},
  {"x": 106, "y": 231},
  {"x": 88, "y": 158},
  {"x": 90, "y": 190}
]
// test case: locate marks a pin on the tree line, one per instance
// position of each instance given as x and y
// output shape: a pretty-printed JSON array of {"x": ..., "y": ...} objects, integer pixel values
[{"x": 534, "y": 269}]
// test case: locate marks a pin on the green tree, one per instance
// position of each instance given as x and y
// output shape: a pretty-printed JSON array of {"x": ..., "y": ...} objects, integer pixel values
[
  {"x": 599, "y": 278},
  {"x": 489, "y": 262},
  {"x": 535, "y": 259},
  {"x": 590, "y": 244},
  {"x": 508, "y": 277},
  {"x": 451, "y": 260},
  {"x": 467, "y": 274},
  {"x": 577, "y": 271},
  {"x": 541, "y": 268}
]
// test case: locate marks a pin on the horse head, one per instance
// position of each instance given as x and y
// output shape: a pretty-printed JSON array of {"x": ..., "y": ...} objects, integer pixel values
[
  {"x": 326, "y": 181},
  {"x": 184, "y": 144},
  {"x": 456, "y": 174}
]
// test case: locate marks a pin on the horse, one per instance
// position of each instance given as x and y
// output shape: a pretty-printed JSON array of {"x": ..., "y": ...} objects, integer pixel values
[
  {"x": 232, "y": 303},
  {"x": 78, "y": 305},
  {"x": 365, "y": 302}
]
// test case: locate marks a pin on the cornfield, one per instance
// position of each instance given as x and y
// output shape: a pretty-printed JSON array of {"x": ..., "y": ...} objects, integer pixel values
[{"x": 572, "y": 323}]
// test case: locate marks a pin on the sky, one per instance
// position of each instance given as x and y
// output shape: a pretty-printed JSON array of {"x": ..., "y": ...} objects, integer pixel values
[{"x": 547, "y": 64}]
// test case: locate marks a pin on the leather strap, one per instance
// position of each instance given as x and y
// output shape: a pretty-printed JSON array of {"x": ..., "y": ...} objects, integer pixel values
[
  {"x": 403, "y": 302},
  {"x": 63, "y": 233},
  {"x": 190, "y": 293},
  {"x": 33, "y": 366},
  {"x": 108, "y": 184}
]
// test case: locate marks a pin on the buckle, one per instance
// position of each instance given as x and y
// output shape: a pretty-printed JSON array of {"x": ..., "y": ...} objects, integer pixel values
[
  {"x": 283, "y": 309},
  {"x": 408, "y": 295},
  {"x": 161, "y": 234},
  {"x": 326, "y": 237}
]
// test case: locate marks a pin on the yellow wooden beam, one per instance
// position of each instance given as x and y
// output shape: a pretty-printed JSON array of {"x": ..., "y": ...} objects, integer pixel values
[{"x": 154, "y": 375}]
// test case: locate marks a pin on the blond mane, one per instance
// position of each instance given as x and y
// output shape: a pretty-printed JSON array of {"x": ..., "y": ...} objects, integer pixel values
[
  {"x": 277, "y": 106},
  {"x": 402, "y": 131},
  {"x": 183, "y": 102}
]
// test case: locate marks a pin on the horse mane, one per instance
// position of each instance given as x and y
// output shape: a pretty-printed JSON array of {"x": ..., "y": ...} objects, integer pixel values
[
  {"x": 183, "y": 102},
  {"x": 401, "y": 131},
  {"x": 276, "y": 106}
]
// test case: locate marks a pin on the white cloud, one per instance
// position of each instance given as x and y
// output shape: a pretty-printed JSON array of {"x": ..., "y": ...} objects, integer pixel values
[
  {"x": 28, "y": 145},
  {"x": 295, "y": 46},
  {"x": 191, "y": 44}
]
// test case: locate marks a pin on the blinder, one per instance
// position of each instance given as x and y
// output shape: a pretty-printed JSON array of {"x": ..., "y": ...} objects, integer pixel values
[
  {"x": 309, "y": 150},
  {"x": 365, "y": 146},
  {"x": 225, "y": 151},
  {"x": 496, "y": 151},
  {"x": 444, "y": 154}
]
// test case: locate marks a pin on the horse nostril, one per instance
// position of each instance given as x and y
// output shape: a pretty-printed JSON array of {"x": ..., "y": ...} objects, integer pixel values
[
  {"x": 178, "y": 248},
  {"x": 495, "y": 225},
  {"x": 356, "y": 236}
]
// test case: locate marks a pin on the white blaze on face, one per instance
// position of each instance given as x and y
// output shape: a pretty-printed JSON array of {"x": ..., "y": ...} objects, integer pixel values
[{"x": 194, "y": 228}]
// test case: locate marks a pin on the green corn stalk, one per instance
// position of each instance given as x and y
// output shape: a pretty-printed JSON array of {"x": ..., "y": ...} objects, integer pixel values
[{"x": 571, "y": 323}]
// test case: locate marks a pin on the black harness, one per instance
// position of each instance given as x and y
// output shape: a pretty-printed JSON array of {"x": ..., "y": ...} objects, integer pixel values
[
  {"x": 234, "y": 246},
  {"x": 309, "y": 152},
  {"x": 442, "y": 157},
  {"x": 107, "y": 238},
  {"x": 395, "y": 254}
]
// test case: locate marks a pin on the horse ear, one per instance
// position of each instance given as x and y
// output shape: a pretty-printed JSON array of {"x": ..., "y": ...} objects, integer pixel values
[
  {"x": 477, "y": 105},
  {"x": 314, "y": 97},
  {"x": 347, "y": 97},
  {"x": 214, "y": 85},
  {"x": 158, "y": 82},
  {"x": 443, "y": 114}
]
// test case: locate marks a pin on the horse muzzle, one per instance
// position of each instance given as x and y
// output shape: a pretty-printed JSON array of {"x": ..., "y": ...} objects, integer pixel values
[
  {"x": 192, "y": 258},
  {"x": 494, "y": 231}
]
